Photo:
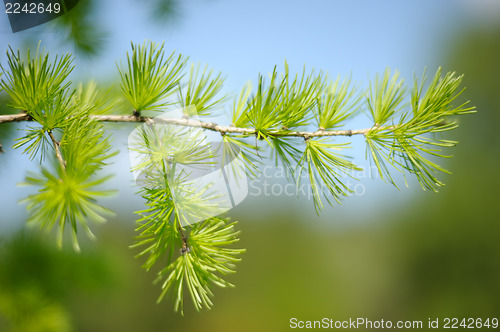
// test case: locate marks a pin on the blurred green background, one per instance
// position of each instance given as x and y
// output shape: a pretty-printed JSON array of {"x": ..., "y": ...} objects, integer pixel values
[{"x": 377, "y": 256}]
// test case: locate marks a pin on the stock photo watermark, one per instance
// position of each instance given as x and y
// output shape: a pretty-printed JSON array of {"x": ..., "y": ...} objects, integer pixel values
[
  {"x": 207, "y": 178},
  {"x": 27, "y": 14},
  {"x": 273, "y": 181},
  {"x": 204, "y": 178}
]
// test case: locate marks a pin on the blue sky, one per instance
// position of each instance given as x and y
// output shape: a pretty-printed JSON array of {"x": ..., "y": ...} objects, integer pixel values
[{"x": 243, "y": 38}]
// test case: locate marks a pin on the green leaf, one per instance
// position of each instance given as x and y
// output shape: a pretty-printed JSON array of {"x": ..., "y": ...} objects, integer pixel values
[
  {"x": 239, "y": 108},
  {"x": 286, "y": 153},
  {"x": 84, "y": 143},
  {"x": 35, "y": 81},
  {"x": 243, "y": 156},
  {"x": 325, "y": 170},
  {"x": 299, "y": 97},
  {"x": 51, "y": 115},
  {"x": 201, "y": 92},
  {"x": 411, "y": 144},
  {"x": 263, "y": 109},
  {"x": 156, "y": 226},
  {"x": 37, "y": 141},
  {"x": 432, "y": 108},
  {"x": 150, "y": 77},
  {"x": 98, "y": 100},
  {"x": 199, "y": 268},
  {"x": 384, "y": 97},
  {"x": 336, "y": 104},
  {"x": 64, "y": 198}
]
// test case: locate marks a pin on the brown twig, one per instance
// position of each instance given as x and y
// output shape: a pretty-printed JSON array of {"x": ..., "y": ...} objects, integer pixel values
[
  {"x": 57, "y": 145},
  {"x": 14, "y": 118},
  {"x": 185, "y": 247}
]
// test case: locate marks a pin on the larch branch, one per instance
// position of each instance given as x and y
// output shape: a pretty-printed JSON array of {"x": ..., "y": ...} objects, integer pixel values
[{"x": 205, "y": 125}]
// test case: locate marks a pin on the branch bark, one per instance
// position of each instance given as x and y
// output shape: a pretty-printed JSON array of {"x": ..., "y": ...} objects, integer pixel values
[
  {"x": 57, "y": 145},
  {"x": 205, "y": 125},
  {"x": 14, "y": 118}
]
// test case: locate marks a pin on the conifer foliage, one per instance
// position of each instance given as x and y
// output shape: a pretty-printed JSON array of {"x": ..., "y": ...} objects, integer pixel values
[{"x": 296, "y": 116}]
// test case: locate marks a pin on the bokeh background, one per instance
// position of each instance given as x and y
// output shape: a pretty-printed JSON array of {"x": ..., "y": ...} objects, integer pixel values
[{"x": 384, "y": 254}]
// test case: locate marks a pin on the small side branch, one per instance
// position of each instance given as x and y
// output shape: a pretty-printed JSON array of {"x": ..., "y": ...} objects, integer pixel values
[
  {"x": 57, "y": 145},
  {"x": 185, "y": 246}
]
